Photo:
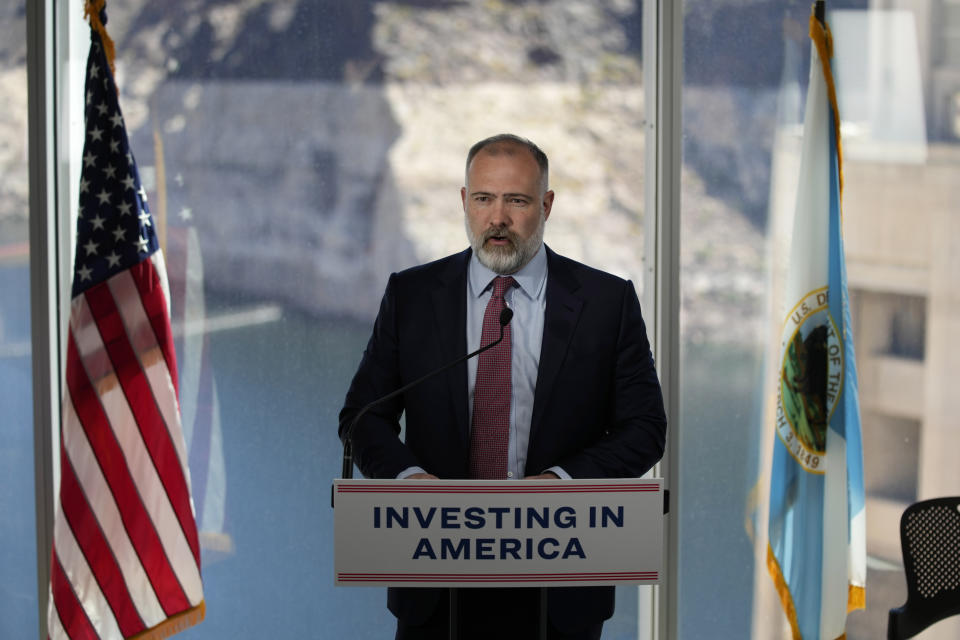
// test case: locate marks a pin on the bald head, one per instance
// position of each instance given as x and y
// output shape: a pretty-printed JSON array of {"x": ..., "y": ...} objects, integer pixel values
[{"x": 509, "y": 144}]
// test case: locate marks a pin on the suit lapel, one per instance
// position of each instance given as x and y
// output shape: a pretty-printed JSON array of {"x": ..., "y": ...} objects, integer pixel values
[
  {"x": 450, "y": 311},
  {"x": 560, "y": 320}
]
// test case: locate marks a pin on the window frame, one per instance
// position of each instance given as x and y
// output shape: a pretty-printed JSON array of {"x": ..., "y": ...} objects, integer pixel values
[
  {"x": 44, "y": 279},
  {"x": 663, "y": 61},
  {"x": 51, "y": 240}
]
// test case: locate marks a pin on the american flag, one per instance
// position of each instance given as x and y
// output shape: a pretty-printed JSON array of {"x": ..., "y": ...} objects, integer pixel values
[{"x": 126, "y": 556}]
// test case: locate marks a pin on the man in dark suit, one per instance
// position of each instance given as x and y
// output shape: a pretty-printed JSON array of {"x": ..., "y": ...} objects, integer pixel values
[{"x": 571, "y": 392}]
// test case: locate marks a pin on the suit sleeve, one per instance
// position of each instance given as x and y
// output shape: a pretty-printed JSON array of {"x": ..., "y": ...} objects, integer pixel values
[
  {"x": 378, "y": 450},
  {"x": 633, "y": 439}
]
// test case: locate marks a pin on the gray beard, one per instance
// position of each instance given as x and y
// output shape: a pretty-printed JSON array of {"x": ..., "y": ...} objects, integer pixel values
[{"x": 508, "y": 258}]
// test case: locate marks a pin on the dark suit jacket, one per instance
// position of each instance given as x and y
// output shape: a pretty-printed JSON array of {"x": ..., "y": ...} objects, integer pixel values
[{"x": 597, "y": 413}]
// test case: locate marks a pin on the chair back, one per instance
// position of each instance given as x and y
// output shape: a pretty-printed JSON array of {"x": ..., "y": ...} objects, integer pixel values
[{"x": 930, "y": 541}]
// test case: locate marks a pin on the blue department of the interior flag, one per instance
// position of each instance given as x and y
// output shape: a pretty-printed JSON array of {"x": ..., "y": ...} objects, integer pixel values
[
  {"x": 817, "y": 552},
  {"x": 108, "y": 243}
]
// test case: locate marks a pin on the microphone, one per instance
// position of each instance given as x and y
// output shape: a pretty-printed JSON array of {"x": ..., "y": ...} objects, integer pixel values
[{"x": 505, "y": 317}]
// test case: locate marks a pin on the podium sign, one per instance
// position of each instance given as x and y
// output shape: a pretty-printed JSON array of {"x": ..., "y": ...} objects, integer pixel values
[{"x": 474, "y": 533}]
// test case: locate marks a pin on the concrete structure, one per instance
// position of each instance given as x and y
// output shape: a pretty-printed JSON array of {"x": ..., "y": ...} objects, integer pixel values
[{"x": 902, "y": 225}]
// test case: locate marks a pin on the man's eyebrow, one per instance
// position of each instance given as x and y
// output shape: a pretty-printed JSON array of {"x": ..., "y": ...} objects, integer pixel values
[{"x": 509, "y": 194}]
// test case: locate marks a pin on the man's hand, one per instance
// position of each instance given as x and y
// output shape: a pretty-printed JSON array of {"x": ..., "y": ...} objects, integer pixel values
[
  {"x": 421, "y": 476},
  {"x": 549, "y": 475}
]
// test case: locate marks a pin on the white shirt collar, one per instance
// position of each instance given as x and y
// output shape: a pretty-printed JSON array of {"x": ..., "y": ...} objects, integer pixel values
[{"x": 530, "y": 279}]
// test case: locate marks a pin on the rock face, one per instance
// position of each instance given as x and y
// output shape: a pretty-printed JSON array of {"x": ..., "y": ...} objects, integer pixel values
[
  {"x": 14, "y": 177},
  {"x": 595, "y": 143},
  {"x": 310, "y": 176},
  {"x": 318, "y": 145},
  {"x": 317, "y": 209},
  {"x": 287, "y": 185},
  {"x": 314, "y": 192}
]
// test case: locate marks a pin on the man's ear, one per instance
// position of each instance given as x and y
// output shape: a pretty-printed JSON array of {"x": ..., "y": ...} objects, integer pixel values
[
  {"x": 547, "y": 204},
  {"x": 463, "y": 198}
]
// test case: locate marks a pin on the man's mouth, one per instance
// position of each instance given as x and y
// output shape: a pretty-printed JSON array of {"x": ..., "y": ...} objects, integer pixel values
[{"x": 498, "y": 238}]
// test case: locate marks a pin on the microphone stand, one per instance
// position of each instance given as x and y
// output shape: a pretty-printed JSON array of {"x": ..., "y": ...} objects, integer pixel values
[{"x": 347, "y": 471}]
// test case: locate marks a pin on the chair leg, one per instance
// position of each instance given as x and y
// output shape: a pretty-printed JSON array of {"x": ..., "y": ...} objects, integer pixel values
[{"x": 893, "y": 626}]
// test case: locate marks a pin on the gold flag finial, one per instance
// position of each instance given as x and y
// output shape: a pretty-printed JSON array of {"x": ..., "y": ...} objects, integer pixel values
[{"x": 92, "y": 10}]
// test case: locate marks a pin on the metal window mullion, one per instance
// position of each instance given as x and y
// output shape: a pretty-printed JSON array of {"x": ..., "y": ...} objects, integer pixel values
[
  {"x": 662, "y": 204},
  {"x": 44, "y": 281}
]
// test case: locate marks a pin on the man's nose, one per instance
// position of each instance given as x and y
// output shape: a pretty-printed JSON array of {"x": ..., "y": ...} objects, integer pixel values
[{"x": 499, "y": 214}]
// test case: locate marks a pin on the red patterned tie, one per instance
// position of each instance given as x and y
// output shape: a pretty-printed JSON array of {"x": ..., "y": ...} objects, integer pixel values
[{"x": 490, "y": 431}]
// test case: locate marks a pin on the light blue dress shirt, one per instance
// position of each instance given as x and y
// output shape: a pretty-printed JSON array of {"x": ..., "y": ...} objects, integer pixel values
[{"x": 528, "y": 300}]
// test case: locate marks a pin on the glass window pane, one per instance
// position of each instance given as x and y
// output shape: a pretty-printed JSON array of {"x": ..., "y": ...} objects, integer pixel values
[
  {"x": 295, "y": 153},
  {"x": 951, "y": 18},
  {"x": 729, "y": 108},
  {"x": 951, "y": 49},
  {"x": 18, "y": 577},
  {"x": 900, "y": 206},
  {"x": 742, "y": 107}
]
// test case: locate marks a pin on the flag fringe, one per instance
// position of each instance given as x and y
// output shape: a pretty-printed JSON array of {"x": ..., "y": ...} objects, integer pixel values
[
  {"x": 174, "y": 624},
  {"x": 92, "y": 10},
  {"x": 856, "y": 598},
  {"x": 784, "y": 592}
]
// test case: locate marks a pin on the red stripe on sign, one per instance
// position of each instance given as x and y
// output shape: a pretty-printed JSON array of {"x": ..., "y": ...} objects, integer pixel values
[
  {"x": 600, "y": 488},
  {"x": 502, "y": 579},
  {"x": 154, "y": 430},
  {"x": 155, "y": 304},
  {"x": 489, "y": 493},
  {"x": 495, "y": 578},
  {"x": 505, "y": 576},
  {"x": 113, "y": 465},
  {"x": 494, "y": 487},
  {"x": 72, "y": 616},
  {"x": 89, "y": 536}
]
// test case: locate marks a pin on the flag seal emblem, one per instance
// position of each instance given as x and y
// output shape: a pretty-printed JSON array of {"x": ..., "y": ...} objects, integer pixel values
[{"x": 811, "y": 377}]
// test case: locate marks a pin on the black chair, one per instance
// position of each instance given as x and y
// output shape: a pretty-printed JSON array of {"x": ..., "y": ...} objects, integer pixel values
[{"x": 930, "y": 539}]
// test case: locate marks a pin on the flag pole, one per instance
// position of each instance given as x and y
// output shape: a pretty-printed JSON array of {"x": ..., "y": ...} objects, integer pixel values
[
  {"x": 91, "y": 10},
  {"x": 160, "y": 174},
  {"x": 820, "y": 12},
  {"x": 126, "y": 565}
]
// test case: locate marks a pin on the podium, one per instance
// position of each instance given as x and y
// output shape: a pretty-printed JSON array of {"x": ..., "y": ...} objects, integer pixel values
[{"x": 498, "y": 533}]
